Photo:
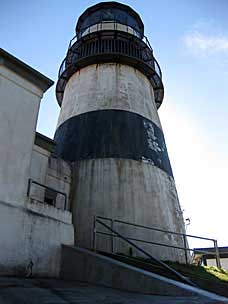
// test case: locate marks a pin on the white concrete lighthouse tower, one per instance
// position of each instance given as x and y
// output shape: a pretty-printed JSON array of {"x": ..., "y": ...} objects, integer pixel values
[{"x": 109, "y": 89}]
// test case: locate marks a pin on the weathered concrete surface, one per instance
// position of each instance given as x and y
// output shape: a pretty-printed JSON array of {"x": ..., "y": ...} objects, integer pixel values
[
  {"x": 20, "y": 102},
  {"x": 29, "y": 231},
  {"x": 32, "y": 230},
  {"x": 33, "y": 233},
  {"x": 127, "y": 190},
  {"x": 43, "y": 291},
  {"x": 51, "y": 172},
  {"x": 122, "y": 189},
  {"x": 108, "y": 86},
  {"x": 79, "y": 264}
]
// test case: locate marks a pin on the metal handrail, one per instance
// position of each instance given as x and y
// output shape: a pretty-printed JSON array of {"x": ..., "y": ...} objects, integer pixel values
[
  {"x": 114, "y": 46},
  {"x": 31, "y": 181},
  {"x": 161, "y": 230},
  {"x": 74, "y": 40},
  {"x": 160, "y": 263},
  {"x": 185, "y": 248},
  {"x": 159, "y": 244},
  {"x": 156, "y": 67}
]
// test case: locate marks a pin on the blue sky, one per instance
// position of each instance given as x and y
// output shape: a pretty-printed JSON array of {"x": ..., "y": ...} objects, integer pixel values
[{"x": 190, "y": 41}]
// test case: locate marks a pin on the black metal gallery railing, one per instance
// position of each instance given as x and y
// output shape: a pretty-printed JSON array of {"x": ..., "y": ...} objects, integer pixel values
[
  {"x": 111, "y": 46},
  {"x": 114, "y": 226},
  {"x": 56, "y": 192}
]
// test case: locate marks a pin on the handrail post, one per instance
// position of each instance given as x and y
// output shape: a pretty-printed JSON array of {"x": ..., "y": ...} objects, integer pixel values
[
  {"x": 29, "y": 187},
  {"x": 185, "y": 279},
  {"x": 185, "y": 249},
  {"x": 112, "y": 237},
  {"x": 218, "y": 262},
  {"x": 94, "y": 234}
]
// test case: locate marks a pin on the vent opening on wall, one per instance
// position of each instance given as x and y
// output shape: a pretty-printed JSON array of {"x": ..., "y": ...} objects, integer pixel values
[{"x": 50, "y": 197}]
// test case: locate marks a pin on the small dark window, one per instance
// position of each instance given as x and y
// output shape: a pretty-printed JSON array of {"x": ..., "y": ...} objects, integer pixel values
[{"x": 50, "y": 197}]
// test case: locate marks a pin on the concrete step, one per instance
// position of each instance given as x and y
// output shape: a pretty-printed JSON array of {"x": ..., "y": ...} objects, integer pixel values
[
  {"x": 220, "y": 288},
  {"x": 143, "y": 264},
  {"x": 79, "y": 264}
]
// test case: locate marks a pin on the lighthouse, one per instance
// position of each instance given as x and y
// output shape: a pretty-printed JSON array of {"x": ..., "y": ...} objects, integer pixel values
[{"x": 110, "y": 89}]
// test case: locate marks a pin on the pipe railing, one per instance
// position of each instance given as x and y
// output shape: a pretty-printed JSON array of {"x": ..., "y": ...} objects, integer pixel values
[
  {"x": 31, "y": 181},
  {"x": 148, "y": 57},
  {"x": 127, "y": 240},
  {"x": 102, "y": 27},
  {"x": 182, "y": 235},
  {"x": 110, "y": 45}
]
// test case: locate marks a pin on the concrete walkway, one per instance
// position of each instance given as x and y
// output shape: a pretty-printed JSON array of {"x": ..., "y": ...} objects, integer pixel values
[{"x": 51, "y": 291}]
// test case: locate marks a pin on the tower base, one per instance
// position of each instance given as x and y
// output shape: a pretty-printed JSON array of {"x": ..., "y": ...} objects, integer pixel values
[{"x": 127, "y": 190}]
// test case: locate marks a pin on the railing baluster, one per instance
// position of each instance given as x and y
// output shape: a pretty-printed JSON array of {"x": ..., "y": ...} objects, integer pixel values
[
  {"x": 94, "y": 234},
  {"x": 116, "y": 42},
  {"x": 112, "y": 240}
]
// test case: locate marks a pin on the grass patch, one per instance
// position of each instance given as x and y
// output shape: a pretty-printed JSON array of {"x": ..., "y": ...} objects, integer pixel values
[
  {"x": 204, "y": 272},
  {"x": 208, "y": 278},
  {"x": 193, "y": 271}
]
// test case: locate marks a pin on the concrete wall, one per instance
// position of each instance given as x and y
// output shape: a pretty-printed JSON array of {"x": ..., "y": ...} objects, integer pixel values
[
  {"x": 131, "y": 191},
  {"x": 51, "y": 172},
  {"x": 34, "y": 233},
  {"x": 120, "y": 188},
  {"x": 86, "y": 266},
  {"x": 108, "y": 86},
  {"x": 19, "y": 107},
  {"x": 30, "y": 231},
  {"x": 83, "y": 265}
]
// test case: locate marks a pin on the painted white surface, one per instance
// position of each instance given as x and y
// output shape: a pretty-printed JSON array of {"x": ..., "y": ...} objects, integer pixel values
[
  {"x": 108, "y": 86},
  {"x": 29, "y": 234},
  {"x": 34, "y": 231},
  {"x": 51, "y": 172},
  {"x": 132, "y": 191},
  {"x": 123, "y": 189},
  {"x": 29, "y": 230},
  {"x": 19, "y": 105}
]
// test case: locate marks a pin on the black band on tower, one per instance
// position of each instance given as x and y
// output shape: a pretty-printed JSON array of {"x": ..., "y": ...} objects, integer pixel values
[{"x": 112, "y": 134}]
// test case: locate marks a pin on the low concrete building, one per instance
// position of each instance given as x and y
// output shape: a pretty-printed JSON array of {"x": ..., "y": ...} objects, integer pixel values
[
  {"x": 207, "y": 256},
  {"x": 31, "y": 232}
]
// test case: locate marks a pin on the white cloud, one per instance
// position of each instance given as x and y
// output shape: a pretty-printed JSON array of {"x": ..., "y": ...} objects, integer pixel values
[{"x": 206, "y": 44}]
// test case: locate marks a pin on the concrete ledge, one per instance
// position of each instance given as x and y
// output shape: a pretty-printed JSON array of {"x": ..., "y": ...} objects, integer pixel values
[
  {"x": 44, "y": 142},
  {"x": 84, "y": 265},
  {"x": 25, "y": 71},
  {"x": 41, "y": 209},
  {"x": 48, "y": 211}
]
